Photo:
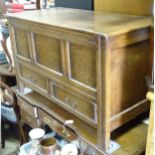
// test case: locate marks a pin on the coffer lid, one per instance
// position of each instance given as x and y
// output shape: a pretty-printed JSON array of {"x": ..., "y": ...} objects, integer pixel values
[{"x": 95, "y": 22}]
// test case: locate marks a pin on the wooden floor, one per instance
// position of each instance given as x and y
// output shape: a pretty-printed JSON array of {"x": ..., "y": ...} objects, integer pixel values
[{"x": 131, "y": 138}]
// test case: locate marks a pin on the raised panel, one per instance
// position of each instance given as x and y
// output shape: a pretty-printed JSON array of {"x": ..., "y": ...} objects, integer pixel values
[
  {"x": 77, "y": 104},
  {"x": 83, "y": 64},
  {"x": 128, "y": 74},
  {"x": 48, "y": 52},
  {"x": 22, "y": 43}
]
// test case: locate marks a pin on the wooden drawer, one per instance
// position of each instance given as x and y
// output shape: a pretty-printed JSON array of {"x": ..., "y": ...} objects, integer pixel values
[
  {"x": 34, "y": 78},
  {"x": 57, "y": 125},
  {"x": 29, "y": 119},
  {"x": 79, "y": 106},
  {"x": 31, "y": 110}
]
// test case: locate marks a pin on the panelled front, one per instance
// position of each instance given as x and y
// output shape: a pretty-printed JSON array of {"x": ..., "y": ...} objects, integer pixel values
[
  {"x": 70, "y": 59},
  {"x": 82, "y": 107},
  {"x": 71, "y": 55}
]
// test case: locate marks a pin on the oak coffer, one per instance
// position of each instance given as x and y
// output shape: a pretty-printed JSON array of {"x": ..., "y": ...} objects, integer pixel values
[{"x": 90, "y": 64}]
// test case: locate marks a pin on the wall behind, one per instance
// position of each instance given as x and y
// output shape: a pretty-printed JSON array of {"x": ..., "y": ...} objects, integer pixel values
[{"x": 139, "y": 7}]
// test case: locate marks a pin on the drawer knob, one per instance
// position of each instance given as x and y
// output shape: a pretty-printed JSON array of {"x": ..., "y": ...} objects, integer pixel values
[
  {"x": 23, "y": 105},
  {"x": 67, "y": 100},
  {"x": 74, "y": 105},
  {"x": 33, "y": 79},
  {"x": 47, "y": 120},
  {"x": 28, "y": 119},
  {"x": 64, "y": 130}
]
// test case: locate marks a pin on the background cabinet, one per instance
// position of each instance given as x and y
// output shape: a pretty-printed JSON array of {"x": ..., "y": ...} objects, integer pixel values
[
  {"x": 77, "y": 4},
  {"x": 137, "y": 7}
]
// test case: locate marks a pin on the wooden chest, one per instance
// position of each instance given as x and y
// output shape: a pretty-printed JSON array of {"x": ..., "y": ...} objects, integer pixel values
[{"x": 91, "y": 64}]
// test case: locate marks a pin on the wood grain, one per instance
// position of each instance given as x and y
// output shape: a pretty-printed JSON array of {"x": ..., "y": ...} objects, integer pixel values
[
  {"x": 52, "y": 109},
  {"x": 92, "y": 22},
  {"x": 90, "y": 65},
  {"x": 150, "y": 134}
]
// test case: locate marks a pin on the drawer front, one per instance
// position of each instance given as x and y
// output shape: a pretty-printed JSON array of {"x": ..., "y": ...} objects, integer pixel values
[
  {"x": 31, "y": 110},
  {"x": 28, "y": 119},
  {"x": 34, "y": 78},
  {"x": 56, "y": 125},
  {"x": 76, "y": 105}
]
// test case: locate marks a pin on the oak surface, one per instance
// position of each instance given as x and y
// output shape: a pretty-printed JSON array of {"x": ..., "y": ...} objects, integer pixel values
[
  {"x": 90, "y": 64},
  {"x": 95, "y": 22},
  {"x": 150, "y": 134}
]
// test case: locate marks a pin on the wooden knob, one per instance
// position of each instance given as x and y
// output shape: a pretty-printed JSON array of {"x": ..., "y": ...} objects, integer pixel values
[
  {"x": 74, "y": 105},
  {"x": 28, "y": 119},
  {"x": 33, "y": 79}
]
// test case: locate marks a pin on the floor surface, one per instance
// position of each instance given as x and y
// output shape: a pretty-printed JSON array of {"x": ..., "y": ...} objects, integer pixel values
[{"x": 11, "y": 142}]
